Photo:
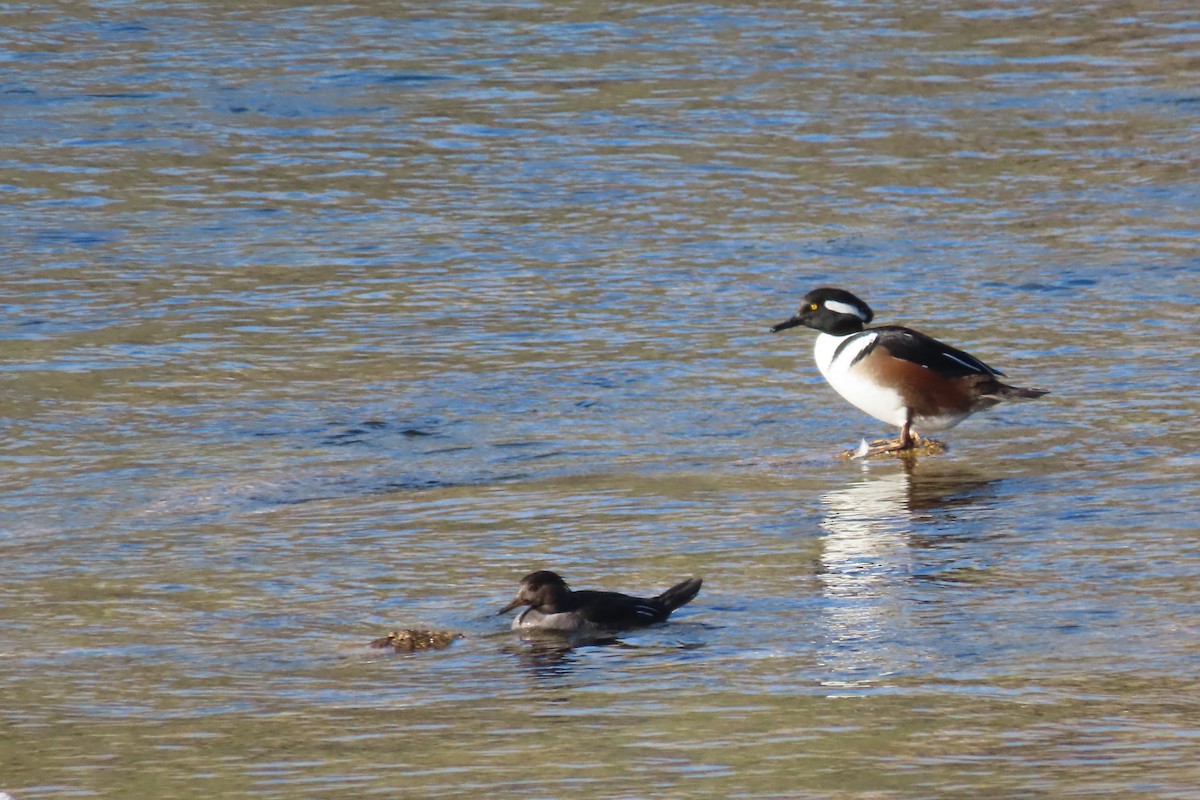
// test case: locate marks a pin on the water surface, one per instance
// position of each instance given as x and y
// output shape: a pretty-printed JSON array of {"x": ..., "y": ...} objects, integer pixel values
[{"x": 322, "y": 321}]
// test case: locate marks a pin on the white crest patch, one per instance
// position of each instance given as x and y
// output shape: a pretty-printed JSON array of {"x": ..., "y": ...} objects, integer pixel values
[{"x": 838, "y": 307}]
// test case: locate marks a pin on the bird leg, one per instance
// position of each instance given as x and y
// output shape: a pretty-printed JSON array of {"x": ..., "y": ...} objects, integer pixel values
[
  {"x": 908, "y": 444},
  {"x": 882, "y": 446},
  {"x": 904, "y": 442}
]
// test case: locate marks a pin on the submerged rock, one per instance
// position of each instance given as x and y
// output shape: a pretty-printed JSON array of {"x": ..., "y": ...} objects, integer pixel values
[
  {"x": 888, "y": 447},
  {"x": 413, "y": 639}
]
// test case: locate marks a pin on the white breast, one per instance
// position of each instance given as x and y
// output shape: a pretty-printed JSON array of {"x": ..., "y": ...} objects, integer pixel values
[
  {"x": 879, "y": 401},
  {"x": 566, "y": 621}
]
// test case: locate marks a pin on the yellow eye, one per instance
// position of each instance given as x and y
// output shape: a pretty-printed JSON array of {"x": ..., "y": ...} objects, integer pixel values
[{"x": 813, "y": 306}]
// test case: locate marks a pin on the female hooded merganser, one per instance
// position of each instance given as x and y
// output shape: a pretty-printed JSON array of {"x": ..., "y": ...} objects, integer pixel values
[
  {"x": 553, "y": 606},
  {"x": 895, "y": 374}
]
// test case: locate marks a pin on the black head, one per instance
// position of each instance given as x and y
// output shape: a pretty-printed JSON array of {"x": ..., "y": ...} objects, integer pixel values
[
  {"x": 834, "y": 311},
  {"x": 542, "y": 590}
]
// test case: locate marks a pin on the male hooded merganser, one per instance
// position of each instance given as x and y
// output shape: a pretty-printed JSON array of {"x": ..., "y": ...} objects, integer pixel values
[
  {"x": 553, "y": 606},
  {"x": 895, "y": 374}
]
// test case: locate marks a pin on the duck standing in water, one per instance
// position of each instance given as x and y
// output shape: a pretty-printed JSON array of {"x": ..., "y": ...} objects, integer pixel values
[{"x": 895, "y": 374}]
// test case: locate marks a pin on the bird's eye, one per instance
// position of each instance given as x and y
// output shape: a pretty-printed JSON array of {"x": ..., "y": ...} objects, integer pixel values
[{"x": 813, "y": 306}]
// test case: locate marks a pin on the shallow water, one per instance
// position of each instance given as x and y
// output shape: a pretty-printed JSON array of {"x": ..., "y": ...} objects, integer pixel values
[{"x": 322, "y": 321}]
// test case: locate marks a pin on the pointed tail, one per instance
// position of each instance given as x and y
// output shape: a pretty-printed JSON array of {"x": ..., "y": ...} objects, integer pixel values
[
  {"x": 1006, "y": 392},
  {"x": 680, "y": 594}
]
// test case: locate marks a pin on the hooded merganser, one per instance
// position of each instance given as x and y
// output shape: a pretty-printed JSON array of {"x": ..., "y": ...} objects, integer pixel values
[
  {"x": 895, "y": 374},
  {"x": 553, "y": 606}
]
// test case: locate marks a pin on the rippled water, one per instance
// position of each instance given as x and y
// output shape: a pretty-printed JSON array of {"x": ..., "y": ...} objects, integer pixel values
[{"x": 327, "y": 320}]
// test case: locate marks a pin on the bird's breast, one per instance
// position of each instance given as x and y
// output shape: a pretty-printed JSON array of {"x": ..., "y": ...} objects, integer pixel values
[
  {"x": 841, "y": 361},
  {"x": 563, "y": 621}
]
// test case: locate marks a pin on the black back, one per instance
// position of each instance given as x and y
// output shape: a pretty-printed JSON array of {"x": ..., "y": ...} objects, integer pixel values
[{"x": 938, "y": 356}]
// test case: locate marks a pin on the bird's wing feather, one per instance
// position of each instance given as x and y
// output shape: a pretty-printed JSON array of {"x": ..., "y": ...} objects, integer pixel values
[
  {"x": 915, "y": 346},
  {"x": 618, "y": 610}
]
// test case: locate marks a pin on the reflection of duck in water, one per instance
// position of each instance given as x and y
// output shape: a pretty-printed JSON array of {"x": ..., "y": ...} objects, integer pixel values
[
  {"x": 554, "y": 606},
  {"x": 896, "y": 374},
  {"x": 888, "y": 513},
  {"x": 867, "y": 525},
  {"x": 866, "y": 562},
  {"x": 881, "y": 536}
]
